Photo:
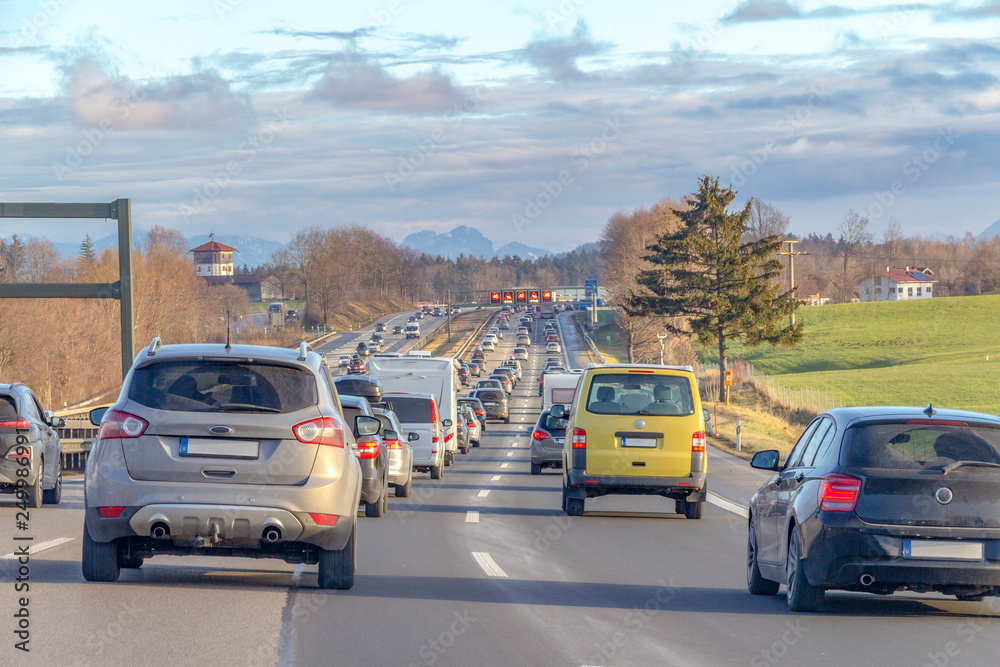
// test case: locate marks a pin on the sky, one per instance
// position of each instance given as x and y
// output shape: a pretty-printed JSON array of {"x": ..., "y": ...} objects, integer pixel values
[{"x": 530, "y": 121}]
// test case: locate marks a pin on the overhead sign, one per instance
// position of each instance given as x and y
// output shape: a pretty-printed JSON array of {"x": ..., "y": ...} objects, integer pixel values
[
  {"x": 591, "y": 282},
  {"x": 522, "y": 296},
  {"x": 508, "y": 297},
  {"x": 533, "y": 296},
  {"x": 546, "y": 295},
  {"x": 494, "y": 297}
]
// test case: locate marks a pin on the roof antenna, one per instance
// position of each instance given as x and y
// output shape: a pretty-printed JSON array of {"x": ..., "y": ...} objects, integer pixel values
[
  {"x": 228, "y": 346},
  {"x": 929, "y": 410}
]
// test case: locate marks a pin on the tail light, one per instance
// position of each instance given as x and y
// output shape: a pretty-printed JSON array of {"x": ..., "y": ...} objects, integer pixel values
[
  {"x": 12, "y": 454},
  {"x": 540, "y": 435},
  {"x": 15, "y": 423},
  {"x": 109, "y": 512},
  {"x": 118, "y": 424},
  {"x": 698, "y": 442},
  {"x": 321, "y": 431},
  {"x": 436, "y": 435},
  {"x": 368, "y": 450},
  {"x": 394, "y": 444},
  {"x": 579, "y": 438},
  {"x": 461, "y": 422},
  {"x": 838, "y": 493},
  {"x": 324, "y": 519}
]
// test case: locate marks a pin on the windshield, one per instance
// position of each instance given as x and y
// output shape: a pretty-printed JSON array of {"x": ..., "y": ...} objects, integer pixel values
[{"x": 635, "y": 394}]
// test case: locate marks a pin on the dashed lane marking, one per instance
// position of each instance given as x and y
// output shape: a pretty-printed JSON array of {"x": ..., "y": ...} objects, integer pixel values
[
  {"x": 504, "y": 465},
  {"x": 510, "y": 453},
  {"x": 483, "y": 493},
  {"x": 495, "y": 478},
  {"x": 35, "y": 548},
  {"x": 472, "y": 516},
  {"x": 728, "y": 505},
  {"x": 489, "y": 565}
]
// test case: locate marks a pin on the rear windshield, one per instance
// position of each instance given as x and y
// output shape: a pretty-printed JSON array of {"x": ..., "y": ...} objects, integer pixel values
[
  {"x": 563, "y": 395},
  {"x": 494, "y": 395},
  {"x": 640, "y": 394},
  {"x": 915, "y": 446},
  {"x": 223, "y": 386},
  {"x": 356, "y": 387},
  {"x": 8, "y": 409},
  {"x": 412, "y": 410},
  {"x": 553, "y": 425}
]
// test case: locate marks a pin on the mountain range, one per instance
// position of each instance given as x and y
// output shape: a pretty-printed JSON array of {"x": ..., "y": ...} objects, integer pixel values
[
  {"x": 468, "y": 241},
  {"x": 990, "y": 232}
]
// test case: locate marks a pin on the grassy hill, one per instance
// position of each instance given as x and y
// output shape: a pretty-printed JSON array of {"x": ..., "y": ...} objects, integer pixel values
[{"x": 899, "y": 353}]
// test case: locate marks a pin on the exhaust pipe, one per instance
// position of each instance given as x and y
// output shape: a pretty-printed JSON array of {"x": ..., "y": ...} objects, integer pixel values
[
  {"x": 271, "y": 534},
  {"x": 160, "y": 530},
  {"x": 866, "y": 580}
]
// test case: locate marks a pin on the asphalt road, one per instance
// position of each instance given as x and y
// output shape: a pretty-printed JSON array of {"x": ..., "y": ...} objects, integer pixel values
[{"x": 479, "y": 568}]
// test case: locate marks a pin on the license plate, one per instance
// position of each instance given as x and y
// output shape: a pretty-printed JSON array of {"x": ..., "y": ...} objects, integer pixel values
[
  {"x": 638, "y": 442},
  {"x": 559, "y": 441},
  {"x": 493, "y": 404},
  {"x": 230, "y": 449},
  {"x": 942, "y": 550}
]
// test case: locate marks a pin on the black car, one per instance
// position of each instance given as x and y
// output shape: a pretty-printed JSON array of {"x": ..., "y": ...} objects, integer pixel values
[
  {"x": 880, "y": 499},
  {"x": 494, "y": 402},
  {"x": 359, "y": 385},
  {"x": 547, "y": 439},
  {"x": 373, "y": 457},
  {"x": 397, "y": 329},
  {"x": 380, "y": 326},
  {"x": 362, "y": 349},
  {"x": 463, "y": 375}
]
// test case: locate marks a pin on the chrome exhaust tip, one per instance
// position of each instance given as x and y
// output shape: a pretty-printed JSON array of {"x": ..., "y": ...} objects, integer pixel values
[
  {"x": 866, "y": 580},
  {"x": 160, "y": 530},
  {"x": 271, "y": 534}
]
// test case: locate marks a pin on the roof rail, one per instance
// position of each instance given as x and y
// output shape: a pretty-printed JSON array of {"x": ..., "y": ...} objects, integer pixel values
[
  {"x": 154, "y": 347},
  {"x": 304, "y": 348}
]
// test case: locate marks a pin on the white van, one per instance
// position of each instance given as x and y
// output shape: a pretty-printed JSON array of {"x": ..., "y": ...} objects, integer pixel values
[
  {"x": 431, "y": 375},
  {"x": 560, "y": 388},
  {"x": 412, "y": 330}
]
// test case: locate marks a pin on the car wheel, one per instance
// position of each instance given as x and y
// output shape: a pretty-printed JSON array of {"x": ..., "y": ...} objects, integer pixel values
[
  {"x": 437, "y": 472},
  {"x": 376, "y": 509},
  {"x": 100, "y": 559},
  {"x": 448, "y": 459},
  {"x": 536, "y": 469},
  {"x": 403, "y": 491},
  {"x": 756, "y": 583},
  {"x": 976, "y": 597},
  {"x": 133, "y": 563},
  {"x": 475, "y": 443},
  {"x": 34, "y": 491},
  {"x": 693, "y": 510},
  {"x": 336, "y": 568},
  {"x": 506, "y": 420},
  {"x": 802, "y": 596},
  {"x": 54, "y": 495},
  {"x": 575, "y": 506}
]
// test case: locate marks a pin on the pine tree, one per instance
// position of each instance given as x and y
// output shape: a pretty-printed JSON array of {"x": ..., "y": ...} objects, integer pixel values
[
  {"x": 87, "y": 253},
  {"x": 722, "y": 289}
]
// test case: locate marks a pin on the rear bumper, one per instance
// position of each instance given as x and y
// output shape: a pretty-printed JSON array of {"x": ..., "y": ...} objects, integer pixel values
[
  {"x": 840, "y": 549},
  {"x": 581, "y": 485},
  {"x": 542, "y": 456}
]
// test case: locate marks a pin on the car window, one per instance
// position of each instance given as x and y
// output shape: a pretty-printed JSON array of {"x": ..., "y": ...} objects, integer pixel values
[
  {"x": 916, "y": 446},
  {"x": 632, "y": 394},
  {"x": 492, "y": 395},
  {"x": 412, "y": 410},
  {"x": 554, "y": 424},
  {"x": 330, "y": 387},
  {"x": 8, "y": 408},
  {"x": 216, "y": 386},
  {"x": 796, "y": 454},
  {"x": 824, "y": 445},
  {"x": 809, "y": 453},
  {"x": 31, "y": 410}
]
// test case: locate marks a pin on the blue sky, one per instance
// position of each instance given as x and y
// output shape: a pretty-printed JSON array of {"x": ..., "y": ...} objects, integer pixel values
[{"x": 532, "y": 121}]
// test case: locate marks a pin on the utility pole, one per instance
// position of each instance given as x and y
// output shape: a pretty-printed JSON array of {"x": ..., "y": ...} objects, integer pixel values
[
  {"x": 791, "y": 270},
  {"x": 449, "y": 315},
  {"x": 662, "y": 338}
]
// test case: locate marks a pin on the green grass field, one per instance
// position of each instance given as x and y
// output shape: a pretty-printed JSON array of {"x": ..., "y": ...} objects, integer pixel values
[{"x": 898, "y": 353}]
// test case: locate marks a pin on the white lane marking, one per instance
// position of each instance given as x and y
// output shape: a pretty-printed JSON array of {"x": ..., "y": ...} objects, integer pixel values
[
  {"x": 297, "y": 572},
  {"x": 489, "y": 565},
  {"x": 513, "y": 444},
  {"x": 484, "y": 493},
  {"x": 495, "y": 478},
  {"x": 510, "y": 453},
  {"x": 472, "y": 516},
  {"x": 728, "y": 505},
  {"x": 504, "y": 465},
  {"x": 35, "y": 548}
]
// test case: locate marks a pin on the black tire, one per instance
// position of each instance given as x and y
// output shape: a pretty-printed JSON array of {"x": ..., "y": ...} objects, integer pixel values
[
  {"x": 133, "y": 563},
  {"x": 54, "y": 495},
  {"x": 564, "y": 499},
  {"x": 100, "y": 559},
  {"x": 693, "y": 510},
  {"x": 437, "y": 472},
  {"x": 448, "y": 460},
  {"x": 475, "y": 443},
  {"x": 756, "y": 583},
  {"x": 977, "y": 597},
  {"x": 377, "y": 509},
  {"x": 404, "y": 490},
  {"x": 506, "y": 420},
  {"x": 679, "y": 506},
  {"x": 336, "y": 568},
  {"x": 575, "y": 506},
  {"x": 536, "y": 469},
  {"x": 34, "y": 492},
  {"x": 802, "y": 596}
]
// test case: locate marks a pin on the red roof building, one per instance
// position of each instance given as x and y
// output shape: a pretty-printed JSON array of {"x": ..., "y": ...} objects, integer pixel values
[
  {"x": 894, "y": 284},
  {"x": 213, "y": 259}
]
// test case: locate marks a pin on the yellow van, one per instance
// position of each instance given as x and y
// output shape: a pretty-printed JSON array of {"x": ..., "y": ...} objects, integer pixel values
[{"x": 636, "y": 429}]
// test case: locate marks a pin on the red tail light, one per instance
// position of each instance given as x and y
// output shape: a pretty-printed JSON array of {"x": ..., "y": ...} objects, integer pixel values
[
  {"x": 394, "y": 444},
  {"x": 324, "y": 519},
  {"x": 109, "y": 512},
  {"x": 15, "y": 423},
  {"x": 321, "y": 431},
  {"x": 839, "y": 493},
  {"x": 368, "y": 450},
  {"x": 579, "y": 438},
  {"x": 698, "y": 442},
  {"x": 118, "y": 424},
  {"x": 540, "y": 435}
]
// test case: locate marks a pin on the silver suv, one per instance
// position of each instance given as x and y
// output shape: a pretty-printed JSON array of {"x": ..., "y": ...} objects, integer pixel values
[
  {"x": 30, "y": 451},
  {"x": 224, "y": 450}
]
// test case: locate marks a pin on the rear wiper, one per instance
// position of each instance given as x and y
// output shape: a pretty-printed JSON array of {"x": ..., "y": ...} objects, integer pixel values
[
  {"x": 245, "y": 407},
  {"x": 971, "y": 464}
]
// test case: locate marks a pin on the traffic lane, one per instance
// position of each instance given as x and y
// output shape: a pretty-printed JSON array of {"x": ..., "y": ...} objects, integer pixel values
[
  {"x": 351, "y": 338},
  {"x": 575, "y": 350}
]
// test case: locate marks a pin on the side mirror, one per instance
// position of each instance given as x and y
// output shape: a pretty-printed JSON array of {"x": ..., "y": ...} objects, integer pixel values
[
  {"x": 447, "y": 423},
  {"x": 410, "y": 437},
  {"x": 389, "y": 434},
  {"x": 529, "y": 429},
  {"x": 558, "y": 411},
  {"x": 766, "y": 460},
  {"x": 97, "y": 414},
  {"x": 57, "y": 422},
  {"x": 365, "y": 425}
]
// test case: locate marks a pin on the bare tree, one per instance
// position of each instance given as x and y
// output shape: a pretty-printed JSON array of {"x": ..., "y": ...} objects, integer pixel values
[
  {"x": 855, "y": 234},
  {"x": 766, "y": 220}
]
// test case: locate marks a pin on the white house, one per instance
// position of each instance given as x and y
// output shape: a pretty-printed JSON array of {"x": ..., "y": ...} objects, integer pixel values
[
  {"x": 894, "y": 284},
  {"x": 213, "y": 259}
]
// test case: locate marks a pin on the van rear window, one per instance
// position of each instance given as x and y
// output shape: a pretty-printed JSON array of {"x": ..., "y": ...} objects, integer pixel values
[
  {"x": 412, "y": 410},
  {"x": 919, "y": 446},
  {"x": 629, "y": 394},
  {"x": 223, "y": 386}
]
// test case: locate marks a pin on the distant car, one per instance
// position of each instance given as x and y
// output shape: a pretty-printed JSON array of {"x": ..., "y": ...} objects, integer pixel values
[
  {"x": 380, "y": 326},
  {"x": 463, "y": 375},
  {"x": 553, "y": 360},
  {"x": 553, "y": 337},
  {"x": 476, "y": 367},
  {"x": 553, "y": 347},
  {"x": 489, "y": 383},
  {"x": 494, "y": 402},
  {"x": 879, "y": 499},
  {"x": 511, "y": 373},
  {"x": 477, "y": 408},
  {"x": 504, "y": 381},
  {"x": 411, "y": 318},
  {"x": 357, "y": 367},
  {"x": 523, "y": 340},
  {"x": 291, "y": 315},
  {"x": 362, "y": 349},
  {"x": 374, "y": 458},
  {"x": 345, "y": 360},
  {"x": 520, "y": 353},
  {"x": 472, "y": 423},
  {"x": 30, "y": 444},
  {"x": 516, "y": 365},
  {"x": 400, "y": 452},
  {"x": 547, "y": 439},
  {"x": 489, "y": 345},
  {"x": 419, "y": 315},
  {"x": 397, "y": 329}
]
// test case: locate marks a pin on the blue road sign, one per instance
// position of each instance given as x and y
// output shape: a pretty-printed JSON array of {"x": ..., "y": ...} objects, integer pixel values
[{"x": 592, "y": 282}]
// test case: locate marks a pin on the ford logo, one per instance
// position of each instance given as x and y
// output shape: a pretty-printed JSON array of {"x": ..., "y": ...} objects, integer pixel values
[
  {"x": 220, "y": 430},
  {"x": 944, "y": 495}
]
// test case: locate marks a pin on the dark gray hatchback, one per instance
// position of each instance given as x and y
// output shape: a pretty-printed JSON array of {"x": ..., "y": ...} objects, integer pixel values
[{"x": 880, "y": 499}]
